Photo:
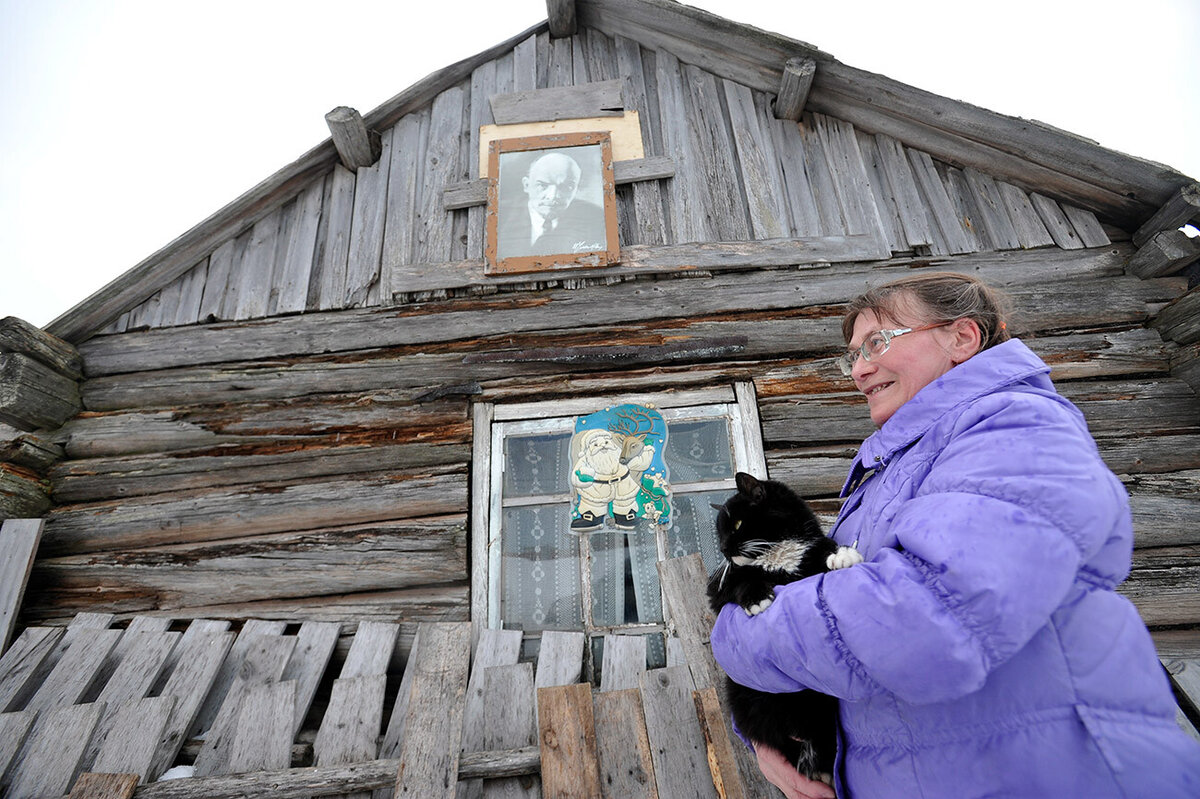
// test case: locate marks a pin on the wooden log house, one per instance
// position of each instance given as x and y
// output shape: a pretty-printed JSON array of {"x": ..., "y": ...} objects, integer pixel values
[{"x": 244, "y": 475}]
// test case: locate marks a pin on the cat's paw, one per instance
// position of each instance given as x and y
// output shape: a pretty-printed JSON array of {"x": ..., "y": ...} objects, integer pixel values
[
  {"x": 759, "y": 607},
  {"x": 844, "y": 558}
]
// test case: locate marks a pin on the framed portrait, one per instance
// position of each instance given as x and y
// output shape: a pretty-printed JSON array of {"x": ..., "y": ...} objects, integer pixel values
[{"x": 551, "y": 203}]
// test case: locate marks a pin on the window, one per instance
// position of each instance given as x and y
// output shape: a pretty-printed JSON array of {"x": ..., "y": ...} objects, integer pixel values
[{"x": 531, "y": 572}]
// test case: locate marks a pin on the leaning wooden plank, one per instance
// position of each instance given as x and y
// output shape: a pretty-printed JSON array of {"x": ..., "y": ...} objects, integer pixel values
[
  {"x": 350, "y": 730},
  {"x": 676, "y": 741},
  {"x": 389, "y": 747},
  {"x": 76, "y": 671},
  {"x": 48, "y": 763},
  {"x": 683, "y": 580},
  {"x": 909, "y": 204},
  {"x": 371, "y": 651},
  {"x": 881, "y": 188},
  {"x": 623, "y": 748},
  {"x": 132, "y": 737},
  {"x": 495, "y": 648},
  {"x": 315, "y": 643},
  {"x": 560, "y": 660},
  {"x": 33, "y": 395},
  {"x": 937, "y": 201},
  {"x": 429, "y": 762},
  {"x": 19, "y": 540},
  {"x": 850, "y": 181},
  {"x": 262, "y": 737},
  {"x": 14, "y": 728},
  {"x": 230, "y": 666},
  {"x": 995, "y": 216},
  {"x": 624, "y": 662},
  {"x": 17, "y": 335},
  {"x": 104, "y": 786},
  {"x": 509, "y": 723},
  {"x": 292, "y": 279},
  {"x": 265, "y": 661},
  {"x": 200, "y": 657},
  {"x": 567, "y": 735}
]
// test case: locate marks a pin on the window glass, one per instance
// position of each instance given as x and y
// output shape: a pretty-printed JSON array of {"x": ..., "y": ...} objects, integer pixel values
[
  {"x": 540, "y": 585},
  {"x": 698, "y": 450},
  {"x": 536, "y": 465}
]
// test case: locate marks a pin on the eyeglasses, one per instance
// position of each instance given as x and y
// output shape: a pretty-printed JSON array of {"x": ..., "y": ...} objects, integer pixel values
[{"x": 877, "y": 344}]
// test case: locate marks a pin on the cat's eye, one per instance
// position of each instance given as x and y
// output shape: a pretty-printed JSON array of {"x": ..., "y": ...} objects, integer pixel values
[{"x": 737, "y": 524}]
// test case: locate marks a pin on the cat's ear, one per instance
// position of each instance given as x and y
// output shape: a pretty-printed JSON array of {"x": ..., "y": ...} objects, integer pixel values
[
  {"x": 749, "y": 485},
  {"x": 716, "y": 507}
]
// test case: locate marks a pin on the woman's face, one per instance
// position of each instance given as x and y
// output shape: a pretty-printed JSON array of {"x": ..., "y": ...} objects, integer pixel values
[{"x": 913, "y": 361}]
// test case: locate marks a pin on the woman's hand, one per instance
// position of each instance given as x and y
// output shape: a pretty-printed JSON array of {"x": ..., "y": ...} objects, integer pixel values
[{"x": 783, "y": 775}]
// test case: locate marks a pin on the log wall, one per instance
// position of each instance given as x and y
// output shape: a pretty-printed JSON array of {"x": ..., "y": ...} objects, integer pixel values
[{"x": 315, "y": 466}]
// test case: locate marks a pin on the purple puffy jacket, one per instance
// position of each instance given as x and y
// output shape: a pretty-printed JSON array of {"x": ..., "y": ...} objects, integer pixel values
[{"x": 980, "y": 651}]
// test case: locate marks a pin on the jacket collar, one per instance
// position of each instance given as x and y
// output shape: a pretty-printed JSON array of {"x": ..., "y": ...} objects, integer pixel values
[{"x": 1003, "y": 365}]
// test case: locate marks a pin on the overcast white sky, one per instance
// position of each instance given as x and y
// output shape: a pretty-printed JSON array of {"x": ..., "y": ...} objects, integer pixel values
[{"x": 125, "y": 122}]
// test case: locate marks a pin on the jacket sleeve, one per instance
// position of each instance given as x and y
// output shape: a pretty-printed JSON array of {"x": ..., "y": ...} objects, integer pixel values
[{"x": 1010, "y": 511}]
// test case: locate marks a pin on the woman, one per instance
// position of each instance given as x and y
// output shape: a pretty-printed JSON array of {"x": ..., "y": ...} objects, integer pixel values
[{"x": 980, "y": 649}]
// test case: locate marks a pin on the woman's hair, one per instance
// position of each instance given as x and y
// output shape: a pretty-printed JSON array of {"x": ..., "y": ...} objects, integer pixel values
[{"x": 939, "y": 297}]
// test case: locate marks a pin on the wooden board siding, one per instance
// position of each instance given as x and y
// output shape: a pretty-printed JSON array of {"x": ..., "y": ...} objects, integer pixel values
[{"x": 362, "y": 239}]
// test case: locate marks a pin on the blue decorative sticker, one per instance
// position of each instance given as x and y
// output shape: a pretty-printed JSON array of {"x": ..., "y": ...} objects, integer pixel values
[{"x": 617, "y": 469}]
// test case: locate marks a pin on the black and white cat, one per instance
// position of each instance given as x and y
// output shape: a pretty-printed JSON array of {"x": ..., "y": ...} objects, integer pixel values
[{"x": 770, "y": 537}]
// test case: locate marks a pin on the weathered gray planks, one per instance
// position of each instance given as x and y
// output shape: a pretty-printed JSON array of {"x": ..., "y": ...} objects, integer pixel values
[
  {"x": 200, "y": 657},
  {"x": 315, "y": 643},
  {"x": 366, "y": 230},
  {"x": 624, "y": 662},
  {"x": 429, "y": 762},
  {"x": 246, "y": 641},
  {"x": 597, "y": 99},
  {"x": 371, "y": 651},
  {"x": 262, "y": 737},
  {"x": 676, "y": 740},
  {"x": 130, "y": 740},
  {"x": 75, "y": 672},
  {"x": 560, "y": 660},
  {"x": 19, "y": 540},
  {"x": 350, "y": 729},
  {"x": 104, "y": 786},
  {"x": 48, "y": 762},
  {"x": 623, "y": 748},
  {"x": 14, "y": 728},
  {"x": 765, "y": 194}
]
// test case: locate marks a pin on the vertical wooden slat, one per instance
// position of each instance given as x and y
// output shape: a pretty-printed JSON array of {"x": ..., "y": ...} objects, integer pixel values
[
  {"x": 1030, "y": 230},
  {"x": 495, "y": 648},
  {"x": 509, "y": 723},
  {"x": 393, "y": 738},
  {"x": 964, "y": 205},
  {"x": 191, "y": 293},
  {"x": 567, "y": 739},
  {"x": 722, "y": 758},
  {"x": 168, "y": 303},
  {"x": 623, "y": 748},
  {"x": 262, "y": 737},
  {"x": 371, "y": 651},
  {"x": 722, "y": 202},
  {"x": 759, "y": 167},
  {"x": 647, "y": 195},
  {"x": 820, "y": 180},
  {"x": 937, "y": 200},
  {"x": 909, "y": 204},
  {"x": 429, "y": 761},
  {"x": 1056, "y": 222},
  {"x": 367, "y": 227},
  {"x": 481, "y": 475},
  {"x": 559, "y": 66},
  {"x": 251, "y": 629},
  {"x": 434, "y": 222},
  {"x": 543, "y": 61},
  {"x": 220, "y": 264},
  {"x": 47, "y": 764},
  {"x": 850, "y": 180},
  {"x": 104, "y": 786},
  {"x": 19, "y": 539},
  {"x": 333, "y": 239},
  {"x": 676, "y": 741},
  {"x": 483, "y": 87},
  {"x": 684, "y": 191},
  {"x": 404, "y": 182},
  {"x": 805, "y": 219},
  {"x": 256, "y": 270},
  {"x": 995, "y": 217},
  {"x": 201, "y": 655},
  {"x": 1090, "y": 231},
  {"x": 233, "y": 285},
  {"x": 134, "y": 729},
  {"x": 292, "y": 280},
  {"x": 560, "y": 659},
  {"x": 885, "y": 203},
  {"x": 525, "y": 72}
]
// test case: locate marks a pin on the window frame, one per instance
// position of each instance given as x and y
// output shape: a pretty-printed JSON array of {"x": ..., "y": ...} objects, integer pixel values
[{"x": 493, "y": 423}]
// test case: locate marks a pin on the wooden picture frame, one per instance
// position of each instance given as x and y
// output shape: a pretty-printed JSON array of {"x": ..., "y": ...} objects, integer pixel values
[{"x": 560, "y": 186}]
